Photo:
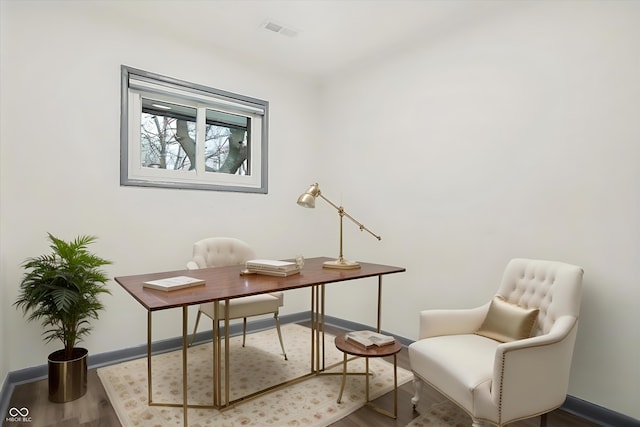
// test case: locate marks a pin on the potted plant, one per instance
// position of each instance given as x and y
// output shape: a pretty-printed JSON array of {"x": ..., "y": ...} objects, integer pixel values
[{"x": 62, "y": 290}]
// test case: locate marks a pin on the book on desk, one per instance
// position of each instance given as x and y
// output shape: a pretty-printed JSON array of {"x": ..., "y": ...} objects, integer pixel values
[
  {"x": 272, "y": 267},
  {"x": 173, "y": 283}
]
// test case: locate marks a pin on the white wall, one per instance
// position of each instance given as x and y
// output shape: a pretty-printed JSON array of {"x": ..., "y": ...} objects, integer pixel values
[
  {"x": 60, "y": 165},
  {"x": 512, "y": 135}
]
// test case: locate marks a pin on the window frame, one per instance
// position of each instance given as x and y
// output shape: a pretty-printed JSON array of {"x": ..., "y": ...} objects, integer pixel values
[{"x": 137, "y": 83}]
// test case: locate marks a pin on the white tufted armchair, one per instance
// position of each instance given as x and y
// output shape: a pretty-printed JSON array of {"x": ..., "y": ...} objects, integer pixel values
[
  {"x": 510, "y": 358},
  {"x": 224, "y": 251}
]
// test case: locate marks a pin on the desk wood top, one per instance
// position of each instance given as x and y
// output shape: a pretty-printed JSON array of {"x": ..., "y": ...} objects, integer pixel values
[{"x": 227, "y": 283}]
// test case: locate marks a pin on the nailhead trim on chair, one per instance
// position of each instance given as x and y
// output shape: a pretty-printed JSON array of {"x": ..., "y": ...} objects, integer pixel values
[{"x": 501, "y": 387}]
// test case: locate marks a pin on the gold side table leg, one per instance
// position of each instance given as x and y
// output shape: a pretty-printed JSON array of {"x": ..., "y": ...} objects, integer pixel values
[
  {"x": 378, "y": 409},
  {"x": 395, "y": 386},
  {"x": 344, "y": 377},
  {"x": 366, "y": 370}
]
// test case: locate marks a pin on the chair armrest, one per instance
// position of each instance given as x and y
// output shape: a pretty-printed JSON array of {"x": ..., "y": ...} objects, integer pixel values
[
  {"x": 537, "y": 366},
  {"x": 435, "y": 323},
  {"x": 280, "y": 296},
  {"x": 191, "y": 265}
]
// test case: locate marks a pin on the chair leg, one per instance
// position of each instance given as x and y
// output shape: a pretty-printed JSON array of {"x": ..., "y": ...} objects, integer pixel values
[
  {"x": 417, "y": 389},
  {"x": 244, "y": 331},
  {"x": 195, "y": 328},
  {"x": 277, "y": 319},
  {"x": 543, "y": 420}
]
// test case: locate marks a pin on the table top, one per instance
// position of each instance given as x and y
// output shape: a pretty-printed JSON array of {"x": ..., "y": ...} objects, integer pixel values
[
  {"x": 349, "y": 347},
  {"x": 227, "y": 283}
]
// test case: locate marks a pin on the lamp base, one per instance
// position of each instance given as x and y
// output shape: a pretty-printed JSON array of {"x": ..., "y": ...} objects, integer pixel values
[{"x": 341, "y": 264}]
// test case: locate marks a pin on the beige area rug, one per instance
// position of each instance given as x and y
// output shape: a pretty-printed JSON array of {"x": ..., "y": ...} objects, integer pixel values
[
  {"x": 443, "y": 414},
  {"x": 311, "y": 402}
]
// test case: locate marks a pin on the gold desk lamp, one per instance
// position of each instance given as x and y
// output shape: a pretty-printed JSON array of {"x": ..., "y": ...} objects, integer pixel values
[{"x": 308, "y": 200}]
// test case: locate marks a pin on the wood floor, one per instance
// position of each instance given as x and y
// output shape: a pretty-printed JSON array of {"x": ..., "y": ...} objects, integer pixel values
[{"x": 94, "y": 409}]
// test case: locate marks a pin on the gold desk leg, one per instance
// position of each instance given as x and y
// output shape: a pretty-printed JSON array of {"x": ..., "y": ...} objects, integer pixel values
[
  {"x": 322, "y": 323},
  {"x": 344, "y": 376},
  {"x": 216, "y": 354},
  {"x": 185, "y": 403},
  {"x": 226, "y": 351},
  {"x": 317, "y": 328},
  {"x": 313, "y": 327},
  {"x": 379, "y": 303},
  {"x": 214, "y": 333},
  {"x": 149, "y": 385}
]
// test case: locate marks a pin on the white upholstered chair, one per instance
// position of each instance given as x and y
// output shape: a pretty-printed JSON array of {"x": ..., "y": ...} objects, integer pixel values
[
  {"x": 225, "y": 251},
  {"x": 482, "y": 358}
]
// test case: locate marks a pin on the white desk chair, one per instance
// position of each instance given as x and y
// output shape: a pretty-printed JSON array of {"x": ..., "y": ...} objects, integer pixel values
[
  {"x": 224, "y": 251},
  {"x": 510, "y": 358}
]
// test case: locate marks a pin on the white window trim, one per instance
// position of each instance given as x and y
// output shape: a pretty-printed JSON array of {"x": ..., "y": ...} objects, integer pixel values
[{"x": 137, "y": 83}]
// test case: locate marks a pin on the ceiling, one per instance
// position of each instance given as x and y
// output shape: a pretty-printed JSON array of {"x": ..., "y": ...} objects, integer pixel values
[{"x": 331, "y": 36}]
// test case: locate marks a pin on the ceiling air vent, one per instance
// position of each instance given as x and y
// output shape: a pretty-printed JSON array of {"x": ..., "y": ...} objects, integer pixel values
[{"x": 279, "y": 28}]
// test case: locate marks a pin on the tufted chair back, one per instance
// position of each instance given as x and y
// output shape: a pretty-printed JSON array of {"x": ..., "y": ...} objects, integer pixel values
[
  {"x": 220, "y": 252},
  {"x": 228, "y": 251},
  {"x": 553, "y": 287}
]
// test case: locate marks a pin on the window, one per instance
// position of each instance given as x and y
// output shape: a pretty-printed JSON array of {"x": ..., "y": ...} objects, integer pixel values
[{"x": 182, "y": 135}]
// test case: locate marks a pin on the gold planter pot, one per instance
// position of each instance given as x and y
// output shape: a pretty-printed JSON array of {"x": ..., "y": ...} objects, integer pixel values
[{"x": 67, "y": 377}]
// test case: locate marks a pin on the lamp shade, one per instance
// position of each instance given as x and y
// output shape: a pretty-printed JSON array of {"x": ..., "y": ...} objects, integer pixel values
[{"x": 308, "y": 198}]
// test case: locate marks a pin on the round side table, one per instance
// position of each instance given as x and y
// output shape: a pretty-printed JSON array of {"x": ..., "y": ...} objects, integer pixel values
[{"x": 354, "y": 349}]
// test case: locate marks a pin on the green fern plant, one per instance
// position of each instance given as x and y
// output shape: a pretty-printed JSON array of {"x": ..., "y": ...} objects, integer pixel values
[{"x": 62, "y": 290}]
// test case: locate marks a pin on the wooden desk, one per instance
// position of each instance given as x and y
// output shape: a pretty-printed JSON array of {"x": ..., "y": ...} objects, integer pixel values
[{"x": 225, "y": 283}]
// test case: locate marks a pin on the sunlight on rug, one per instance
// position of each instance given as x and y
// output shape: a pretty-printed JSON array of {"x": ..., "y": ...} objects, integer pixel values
[
  {"x": 443, "y": 414},
  {"x": 258, "y": 365}
]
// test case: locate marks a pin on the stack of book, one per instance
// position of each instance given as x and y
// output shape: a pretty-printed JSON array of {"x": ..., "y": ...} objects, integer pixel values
[
  {"x": 369, "y": 339},
  {"x": 173, "y": 283},
  {"x": 272, "y": 268}
]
